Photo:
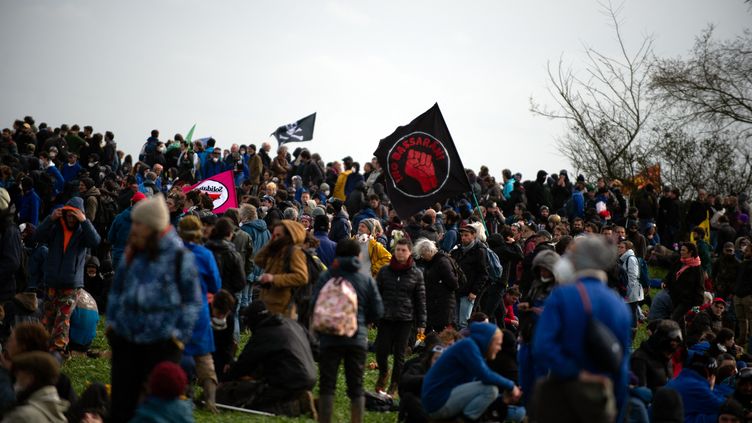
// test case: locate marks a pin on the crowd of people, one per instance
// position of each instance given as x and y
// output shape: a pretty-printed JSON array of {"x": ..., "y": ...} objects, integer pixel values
[{"x": 522, "y": 306}]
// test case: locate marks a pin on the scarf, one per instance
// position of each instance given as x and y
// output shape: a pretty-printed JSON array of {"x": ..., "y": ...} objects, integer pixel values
[
  {"x": 687, "y": 263},
  {"x": 469, "y": 246},
  {"x": 398, "y": 267}
]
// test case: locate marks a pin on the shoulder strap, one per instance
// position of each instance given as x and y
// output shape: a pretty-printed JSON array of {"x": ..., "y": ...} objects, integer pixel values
[{"x": 585, "y": 298}]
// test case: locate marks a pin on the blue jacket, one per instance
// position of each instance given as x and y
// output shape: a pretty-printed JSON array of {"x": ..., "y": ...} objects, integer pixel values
[
  {"x": 58, "y": 178},
  {"x": 450, "y": 239},
  {"x": 158, "y": 410},
  {"x": 210, "y": 168},
  {"x": 462, "y": 363},
  {"x": 326, "y": 249},
  {"x": 202, "y": 341},
  {"x": 701, "y": 405},
  {"x": 37, "y": 256},
  {"x": 28, "y": 209},
  {"x": 260, "y": 236},
  {"x": 118, "y": 235},
  {"x": 340, "y": 227},
  {"x": 370, "y": 307},
  {"x": 560, "y": 334},
  {"x": 64, "y": 267},
  {"x": 366, "y": 213},
  {"x": 352, "y": 182},
  {"x": 578, "y": 202},
  {"x": 70, "y": 173},
  {"x": 147, "y": 304}
]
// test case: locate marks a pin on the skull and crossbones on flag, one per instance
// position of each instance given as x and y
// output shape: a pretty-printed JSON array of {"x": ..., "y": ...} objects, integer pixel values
[{"x": 300, "y": 130}]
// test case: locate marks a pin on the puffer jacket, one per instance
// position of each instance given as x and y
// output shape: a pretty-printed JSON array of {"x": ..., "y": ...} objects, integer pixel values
[
  {"x": 403, "y": 292},
  {"x": 441, "y": 284},
  {"x": 65, "y": 266},
  {"x": 289, "y": 269}
]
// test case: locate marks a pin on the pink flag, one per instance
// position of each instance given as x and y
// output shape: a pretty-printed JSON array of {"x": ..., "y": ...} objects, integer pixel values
[{"x": 220, "y": 188}]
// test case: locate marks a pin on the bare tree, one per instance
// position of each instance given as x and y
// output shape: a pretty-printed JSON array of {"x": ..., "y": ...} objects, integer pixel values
[
  {"x": 714, "y": 84},
  {"x": 691, "y": 158},
  {"x": 606, "y": 112}
]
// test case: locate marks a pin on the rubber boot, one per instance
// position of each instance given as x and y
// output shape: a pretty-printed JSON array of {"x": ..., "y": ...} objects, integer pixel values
[
  {"x": 357, "y": 409},
  {"x": 326, "y": 408},
  {"x": 210, "y": 396}
]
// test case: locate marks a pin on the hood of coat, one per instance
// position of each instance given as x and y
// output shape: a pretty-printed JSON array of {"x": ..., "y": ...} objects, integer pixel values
[
  {"x": 482, "y": 333},
  {"x": 348, "y": 264},
  {"x": 296, "y": 230}
]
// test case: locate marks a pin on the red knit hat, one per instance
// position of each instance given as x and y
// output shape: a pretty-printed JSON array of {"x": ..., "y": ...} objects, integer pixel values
[
  {"x": 167, "y": 380},
  {"x": 138, "y": 196}
]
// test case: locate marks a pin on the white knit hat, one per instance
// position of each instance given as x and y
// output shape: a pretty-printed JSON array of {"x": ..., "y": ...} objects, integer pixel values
[{"x": 152, "y": 212}]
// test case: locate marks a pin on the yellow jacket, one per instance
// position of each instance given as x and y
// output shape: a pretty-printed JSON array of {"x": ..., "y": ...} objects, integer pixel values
[
  {"x": 379, "y": 256},
  {"x": 339, "y": 187}
]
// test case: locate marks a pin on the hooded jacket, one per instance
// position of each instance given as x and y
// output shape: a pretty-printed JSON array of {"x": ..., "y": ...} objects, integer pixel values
[
  {"x": 701, "y": 404},
  {"x": 66, "y": 260},
  {"x": 629, "y": 262},
  {"x": 370, "y": 306},
  {"x": 463, "y": 362},
  {"x": 650, "y": 365},
  {"x": 278, "y": 353},
  {"x": 289, "y": 271},
  {"x": 229, "y": 262},
  {"x": 441, "y": 284},
  {"x": 91, "y": 202}
]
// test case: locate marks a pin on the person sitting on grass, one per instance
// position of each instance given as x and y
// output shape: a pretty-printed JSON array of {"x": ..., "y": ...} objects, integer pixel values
[{"x": 165, "y": 402}]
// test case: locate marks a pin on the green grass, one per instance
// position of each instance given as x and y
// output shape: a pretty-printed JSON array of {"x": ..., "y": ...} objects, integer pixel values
[{"x": 84, "y": 370}]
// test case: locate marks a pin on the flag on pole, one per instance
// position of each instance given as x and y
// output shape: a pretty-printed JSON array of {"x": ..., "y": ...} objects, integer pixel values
[
  {"x": 301, "y": 130},
  {"x": 220, "y": 188},
  {"x": 189, "y": 137},
  {"x": 422, "y": 166}
]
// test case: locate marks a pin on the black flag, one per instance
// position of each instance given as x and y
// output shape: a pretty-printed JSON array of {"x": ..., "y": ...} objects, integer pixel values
[
  {"x": 302, "y": 130},
  {"x": 421, "y": 164}
]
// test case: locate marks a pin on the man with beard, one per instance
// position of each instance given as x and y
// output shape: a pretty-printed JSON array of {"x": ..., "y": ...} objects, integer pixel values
[
  {"x": 69, "y": 235},
  {"x": 284, "y": 263},
  {"x": 154, "y": 303}
]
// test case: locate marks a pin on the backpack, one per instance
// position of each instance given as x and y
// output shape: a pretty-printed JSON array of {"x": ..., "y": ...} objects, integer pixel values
[
  {"x": 232, "y": 275},
  {"x": 458, "y": 272},
  {"x": 644, "y": 278},
  {"x": 495, "y": 269},
  {"x": 622, "y": 280},
  {"x": 336, "y": 309},
  {"x": 107, "y": 209}
]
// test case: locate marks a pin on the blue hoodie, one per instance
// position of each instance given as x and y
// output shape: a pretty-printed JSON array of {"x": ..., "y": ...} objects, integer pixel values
[
  {"x": 118, "y": 235},
  {"x": 260, "y": 236},
  {"x": 701, "y": 404},
  {"x": 462, "y": 363}
]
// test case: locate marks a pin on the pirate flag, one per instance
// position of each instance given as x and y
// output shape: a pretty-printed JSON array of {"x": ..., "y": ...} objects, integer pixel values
[
  {"x": 302, "y": 130},
  {"x": 421, "y": 164}
]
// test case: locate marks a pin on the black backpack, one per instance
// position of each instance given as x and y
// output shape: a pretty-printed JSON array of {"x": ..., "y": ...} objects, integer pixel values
[
  {"x": 107, "y": 209},
  {"x": 233, "y": 278},
  {"x": 301, "y": 295},
  {"x": 457, "y": 270}
]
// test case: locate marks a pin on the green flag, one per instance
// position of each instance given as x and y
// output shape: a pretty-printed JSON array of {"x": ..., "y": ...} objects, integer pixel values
[{"x": 189, "y": 137}]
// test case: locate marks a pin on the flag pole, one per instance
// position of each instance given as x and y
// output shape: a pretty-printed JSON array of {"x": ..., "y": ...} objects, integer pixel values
[{"x": 480, "y": 213}]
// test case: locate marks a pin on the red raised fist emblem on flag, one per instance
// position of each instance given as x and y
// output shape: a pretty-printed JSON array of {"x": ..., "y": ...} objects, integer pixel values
[{"x": 419, "y": 166}]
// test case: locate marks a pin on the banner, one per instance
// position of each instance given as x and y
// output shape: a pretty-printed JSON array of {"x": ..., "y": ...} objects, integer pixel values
[
  {"x": 422, "y": 165},
  {"x": 220, "y": 188},
  {"x": 301, "y": 130}
]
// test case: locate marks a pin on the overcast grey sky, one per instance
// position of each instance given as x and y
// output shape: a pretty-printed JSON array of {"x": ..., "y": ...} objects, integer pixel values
[{"x": 239, "y": 69}]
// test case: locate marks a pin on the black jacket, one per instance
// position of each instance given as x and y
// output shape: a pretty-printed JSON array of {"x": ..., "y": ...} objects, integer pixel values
[
  {"x": 650, "y": 366},
  {"x": 688, "y": 288},
  {"x": 403, "y": 294},
  {"x": 724, "y": 273},
  {"x": 230, "y": 264},
  {"x": 743, "y": 286},
  {"x": 441, "y": 284},
  {"x": 10, "y": 259},
  {"x": 474, "y": 266},
  {"x": 279, "y": 353}
]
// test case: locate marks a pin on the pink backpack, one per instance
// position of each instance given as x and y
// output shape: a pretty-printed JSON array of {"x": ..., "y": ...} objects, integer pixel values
[{"x": 336, "y": 309}]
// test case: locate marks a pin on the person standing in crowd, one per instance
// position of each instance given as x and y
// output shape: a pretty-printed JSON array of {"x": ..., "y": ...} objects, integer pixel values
[
  {"x": 30, "y": 204},
  {"x": 403, "y": 293},
  {"x": 10, "y": 249},
  {"x": 685, "y": 283},
  {"x": 71, "y": 169},
  {"x": 153, "y": 306},
  {"x": 120, "y": 230},
  {"x": 327, "y": 248},
  {"x": 441, "y": 284},
  {"x": 628, "y": 261},
  {"x": 651, "y": 362},
  {"x": 341, "y": 226},
  {"x": 201, "y": 345},
  {"x": 69, "y": 236},
  {"x": 285, "y": 268},
  {"x": 352, "y": 350},
  {"x": 471, "y": 258},
  {"x": 576, "y": 389}
]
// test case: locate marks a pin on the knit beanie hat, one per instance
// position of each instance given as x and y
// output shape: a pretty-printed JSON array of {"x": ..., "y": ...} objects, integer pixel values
[
  {"x": 593, "y": 253},
  {"x": 167, "y": 380},
  {"x": 4, "y": 199},
  {"x": 368, "y": 224},
  {"x": 152, "y": 212},
  {"x": 318, "y": 211}
]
